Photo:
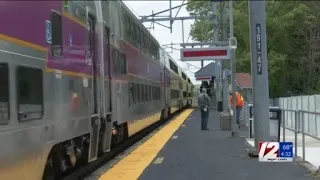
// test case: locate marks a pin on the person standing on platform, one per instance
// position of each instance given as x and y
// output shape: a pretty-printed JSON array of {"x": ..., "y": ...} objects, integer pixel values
[
  {"x": 239, "y": 105},
  {"x": 204, "y": 103}
]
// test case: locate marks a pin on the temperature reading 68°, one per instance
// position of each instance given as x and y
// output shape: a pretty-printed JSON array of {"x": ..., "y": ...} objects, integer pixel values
[{"x": 287, "y": 147}]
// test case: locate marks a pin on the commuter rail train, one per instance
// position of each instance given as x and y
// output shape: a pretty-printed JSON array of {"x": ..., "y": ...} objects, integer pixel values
[{"x": 77, "y": 78}]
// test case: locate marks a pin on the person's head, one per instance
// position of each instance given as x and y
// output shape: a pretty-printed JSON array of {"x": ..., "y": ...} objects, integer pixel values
[
  {"x": 230, "y": 92},
  {"x": 204, "y": 91}
]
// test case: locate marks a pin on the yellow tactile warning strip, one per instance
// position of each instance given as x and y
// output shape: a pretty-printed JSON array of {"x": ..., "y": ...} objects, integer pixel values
[{"x": 131, "y": 167}]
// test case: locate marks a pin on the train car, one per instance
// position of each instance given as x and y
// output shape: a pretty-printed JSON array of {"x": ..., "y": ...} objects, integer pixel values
[
  {"x": 175, "y": 84},
  {"x": 77, "y": 77},
  {"x": 190, "y": 92},
  {"x": 185, "y": 88}
]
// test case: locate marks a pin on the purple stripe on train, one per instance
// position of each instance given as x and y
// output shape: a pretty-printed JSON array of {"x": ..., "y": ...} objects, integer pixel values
[{"x": 27, "y": 22}]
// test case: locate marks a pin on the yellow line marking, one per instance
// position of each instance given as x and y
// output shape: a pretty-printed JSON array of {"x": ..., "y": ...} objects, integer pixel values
[
  {"x": 131, "y": 167},
  {"x": 158, "y": 160},
  {"x": 23, "y": 43}
]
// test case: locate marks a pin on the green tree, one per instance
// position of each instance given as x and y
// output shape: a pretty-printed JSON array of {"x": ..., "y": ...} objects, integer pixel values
[{"x": 293, "y": 41}]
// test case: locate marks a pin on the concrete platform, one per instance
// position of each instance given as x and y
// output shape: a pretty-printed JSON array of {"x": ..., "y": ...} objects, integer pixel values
[
  {"x": 213, "y": 155},
  {"x": 181, "y": 151}
]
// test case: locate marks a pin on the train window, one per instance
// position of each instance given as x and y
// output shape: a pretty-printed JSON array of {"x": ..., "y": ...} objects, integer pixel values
[
  {"x": 56, "y": 25},
  {"x": 138, "y": 93},
  {"x": 127, "y": 24},
  {"x": 142, "y": 39},
  {"x": 157, "y": 54},
  {"x": 175, "y": 94},
  {"x": 115, "y": 60},
  {"x": 173, "y": 67},
  {"x": 155, "y": 93},
  {"x": 132, "y": 26},
  {"x": 144, "y": 99},
  {"x": 142, "y": 93},
  {"x": 29, "y": 93},
  {"x": 152, "y": 93},
  {"x": 130, "y": 87},
  {"x": 149, "y": 93},
  {"x": 139, "y": 36},
  {"x": 184, "y": 94},
  {"x": 4, "y": 93},
  {"x": 136, "y": 35},
  {"x": 146, "y": 92},
  {"x": 158, "y": 93},
  {"x": 123, "y": 63},
  {"x": 134, "y": 97},
  {"x": 152, "y": 49},
  {"x": 184, "y": 76}
]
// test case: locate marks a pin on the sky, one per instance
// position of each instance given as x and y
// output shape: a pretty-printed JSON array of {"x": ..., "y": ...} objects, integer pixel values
[{"x": 163, "y": 35}]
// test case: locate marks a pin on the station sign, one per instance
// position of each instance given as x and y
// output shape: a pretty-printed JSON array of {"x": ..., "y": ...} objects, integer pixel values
[
  {"x": 197, "y": 54},
  {"x": 204, "y": 78}
]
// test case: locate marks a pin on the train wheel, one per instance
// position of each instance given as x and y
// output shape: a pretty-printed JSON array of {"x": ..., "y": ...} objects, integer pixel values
[{"x": 118, "y": 136}]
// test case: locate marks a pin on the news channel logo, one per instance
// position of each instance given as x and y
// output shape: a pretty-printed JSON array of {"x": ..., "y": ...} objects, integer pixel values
[{"x": 275, "y": 152}]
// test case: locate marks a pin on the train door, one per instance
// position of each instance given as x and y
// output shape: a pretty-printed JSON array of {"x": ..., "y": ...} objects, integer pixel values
[
  {"x": 95, "y": 116},
  {"x": 106, "y": 142}
]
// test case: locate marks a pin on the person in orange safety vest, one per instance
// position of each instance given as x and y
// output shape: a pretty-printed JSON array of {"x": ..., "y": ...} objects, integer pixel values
[{"x": 239, "y": 105}]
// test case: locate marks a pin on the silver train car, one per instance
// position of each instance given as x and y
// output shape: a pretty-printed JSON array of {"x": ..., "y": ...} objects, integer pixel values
[{"x": 78, "y": 77}]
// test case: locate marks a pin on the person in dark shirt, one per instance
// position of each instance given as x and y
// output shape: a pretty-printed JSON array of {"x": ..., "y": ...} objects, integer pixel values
[{"x": 204, "y": 103}]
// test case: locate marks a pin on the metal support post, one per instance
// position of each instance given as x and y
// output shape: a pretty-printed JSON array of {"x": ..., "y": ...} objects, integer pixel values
[
  {"x": 234, "y": 127},
  {"x": 296, "y": 123},
  {"x": 182, "y": 24},
  {"x": 171, "y": 21},
  {"x": 315, "y": 110},
  {"x": 259, "y": 70},
  {"x": 283, "y": 121},
  {"x": 214, "y": 39},
  {"x": 225, "y": 86},
  {"x": 303, "y": 138}
]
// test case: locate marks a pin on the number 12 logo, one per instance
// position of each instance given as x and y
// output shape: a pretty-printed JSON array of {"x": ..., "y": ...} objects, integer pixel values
[{"x": 268, "y": 150}]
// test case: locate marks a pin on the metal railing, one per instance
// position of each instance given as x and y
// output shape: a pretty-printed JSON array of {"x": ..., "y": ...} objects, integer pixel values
[{"x": 298, "y": 127}]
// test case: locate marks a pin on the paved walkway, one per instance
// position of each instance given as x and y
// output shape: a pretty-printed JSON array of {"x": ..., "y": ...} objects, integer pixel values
[{"x": 213, "y": 155}]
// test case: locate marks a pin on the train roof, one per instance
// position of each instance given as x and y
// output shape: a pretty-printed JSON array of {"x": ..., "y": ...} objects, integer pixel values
[
  {"x": 139, "y": 22},
  {"x": 180, "y": 70},
  {"x": 166, "y": 54}
]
